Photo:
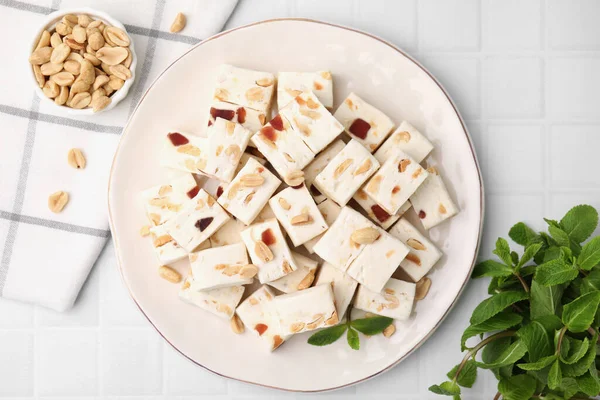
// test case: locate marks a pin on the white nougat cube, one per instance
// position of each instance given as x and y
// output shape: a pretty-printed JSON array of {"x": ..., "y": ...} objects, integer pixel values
[
  {"x": 291, "y": 84},
  {"x": 162, "y": 202},
  {"x": 230, "y": 233},
  {"x": 363, "y": 122},
  {"x": 298, "y": 214},
  {"x": 330, "y": 211},
  {"x": 377, "y": 261},
  {"x": 166, "y": 248},
  {"x": 226, "y": 144},
  {"x": 311, "y": 121},
  {"x": 395, "y": 300},
  {"x": 259, "y": 315},
  {"x": 244, "y": 87},
  {"x": 317, "y": 165},
  {"x": 282, "y": 147},
  {"x": 245, "y": 200},
  {"x": 306, "y": 310},
  {"x": 408, "y": 139},
  {"x": 219, "y": 267},
  {"x": 198, "y": 220},
  {"x": 432, "y": 202},
  {"x": 422, "y": 254},
  {"x": 343, "y": 286},
  {"x": 185, "y": 152},
  {"x": 300, "y": 279},
  {"x": 280, "y": 261},
  {"x": 346, "y": 173},
  {"x": 397, "y": 179},
  {"x": 220, "y": 302}
]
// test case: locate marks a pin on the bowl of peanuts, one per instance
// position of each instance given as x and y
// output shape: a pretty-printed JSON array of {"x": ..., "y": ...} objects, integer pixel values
[{"x": 82, "y": 61}]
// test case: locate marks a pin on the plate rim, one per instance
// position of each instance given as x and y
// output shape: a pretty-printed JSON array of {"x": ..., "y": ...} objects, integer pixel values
[{"x": 473, "y": 154}]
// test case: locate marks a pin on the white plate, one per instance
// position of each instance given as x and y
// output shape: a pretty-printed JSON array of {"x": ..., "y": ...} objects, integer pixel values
[{"x": 179, "y": 100}]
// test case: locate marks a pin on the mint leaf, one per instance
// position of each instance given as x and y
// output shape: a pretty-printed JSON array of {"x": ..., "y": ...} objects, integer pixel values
[
  {"x": 588, "y": 383},
  {"x": 495, "y": 304},
  {"x": 327, "y": 335},
  {"x": 591, "y": 282},
  {"x": 539, "y": 364},
  {"x": 467, "y": 376},
  {"x": 577, "y": 349},
  {"x": 530, "y": 252},
  {"x": 503, "y": 251},
  {"x": 523, "y": 235},
  {"x": 555, "y": 375},
  {"x": 569, "y": 387},
  {"x": 509, "y": 356},
  {"x": 491, "y": 268},
  {"x": 580, "y": 222},
  {"x": 518, "y": 387},
  {"x": 445, "y": 388},
  {"x": 559, "y": 236},
  {"x": 371, "y": 326},
  {"x": 492, "y": 350},
  {"x": 353, "y": 339},
  {"x": 590, "y": 254},
  {"x": 555, "y": 272},
  {"x": 503, "y": 320},
  {"x": 536, "y": 339},
  {"x": 580, "y": 367},
  {"x": 579, "y": 314},
  {"x": 545, "y": 300}
]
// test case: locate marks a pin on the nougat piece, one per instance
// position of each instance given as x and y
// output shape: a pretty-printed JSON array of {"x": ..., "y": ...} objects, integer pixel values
[
  {"x": 166, "y": 248},
  {"x": 220, "y": 302},
  {"x": 376, "y": 213},
  {"x": 330, "y": 211},
  {"x": 249, "y": 118},
  {"x": 317, "y": 165},
  {"x": 306, "y": 310},
  {"x": 249, "y": 191},
  {"x": 291, "y": 84},
  {"x": 245, "y": 87},
  {"x": 215, "y": 187},
  {"x": 311, "y": 121},
  {"x": 346, "y": 173},
  {"x": 282, "y": 147},
  {"x": 230, "y": 233},
  {"x": 343, "y": 286},
  {"x": 397, "y": 179},
  {"x": 220, "y": 267},
  {"x": 394, "y": 301},
  {"x": 268, "y": 250},
  {"x": 377, "y": 261},
  {"x": 298, "y": 214},
  {"x": 408, "y": 139},
  {"x": 185, "y": 152},
  {"x": 336, "y": 245},
  {"x": 363, "y": 122},
  {"x": 259, "y": 315},
  {"x": 422, "y": 254},
  {"x": 226, "y": 144},
  {"x": 198, "y": 220},
  {"x": 265, "y": 214},
  {"x": 300, "y": 279},
  {"x": 432, "y": 202},
  {"x": 162, "y": 202}
]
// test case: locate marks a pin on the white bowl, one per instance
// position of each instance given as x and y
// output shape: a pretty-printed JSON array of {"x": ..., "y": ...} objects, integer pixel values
[{"x": 48, "y": 24}]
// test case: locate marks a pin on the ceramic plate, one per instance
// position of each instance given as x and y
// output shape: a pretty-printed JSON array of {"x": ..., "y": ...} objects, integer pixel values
[{"x": 179, "y": 100}]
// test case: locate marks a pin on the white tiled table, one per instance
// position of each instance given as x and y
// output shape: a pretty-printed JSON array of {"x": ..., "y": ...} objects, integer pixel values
[{"x": 524, "y": 74}]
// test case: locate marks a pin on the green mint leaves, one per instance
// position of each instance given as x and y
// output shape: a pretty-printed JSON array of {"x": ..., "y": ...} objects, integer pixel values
[
  {"x": 369, "y": 326},
  {"x": 539, "y": 328}
]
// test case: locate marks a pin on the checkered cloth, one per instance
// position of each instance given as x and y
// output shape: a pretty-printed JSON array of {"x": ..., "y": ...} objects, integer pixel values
[{"x": 44, "y": 257}]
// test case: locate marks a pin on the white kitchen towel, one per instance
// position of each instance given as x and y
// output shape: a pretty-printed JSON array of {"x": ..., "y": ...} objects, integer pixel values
[{"x": 44, "y": 257}]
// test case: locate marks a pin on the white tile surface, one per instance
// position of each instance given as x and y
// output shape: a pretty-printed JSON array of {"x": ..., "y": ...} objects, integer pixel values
[
  {"x": 524, "y": 74},
  {"x": 67, "y": 362}
]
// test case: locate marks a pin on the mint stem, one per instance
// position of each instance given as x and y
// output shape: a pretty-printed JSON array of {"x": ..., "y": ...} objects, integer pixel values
[
  {"x": 560, "y": 339},
  {"x": 477, "y": 347},
  {"x": 497, "y": 396},
  {"x": 523, "y": 283}
]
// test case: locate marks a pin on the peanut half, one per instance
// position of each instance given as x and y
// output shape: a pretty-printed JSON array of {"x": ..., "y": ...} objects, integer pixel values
[{"x": 76, "y": 159}]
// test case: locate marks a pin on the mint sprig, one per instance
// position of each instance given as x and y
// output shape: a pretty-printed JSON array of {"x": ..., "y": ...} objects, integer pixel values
[
  {"x": 368, "y": 326},
  {"x": 542, "y": 317}
]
